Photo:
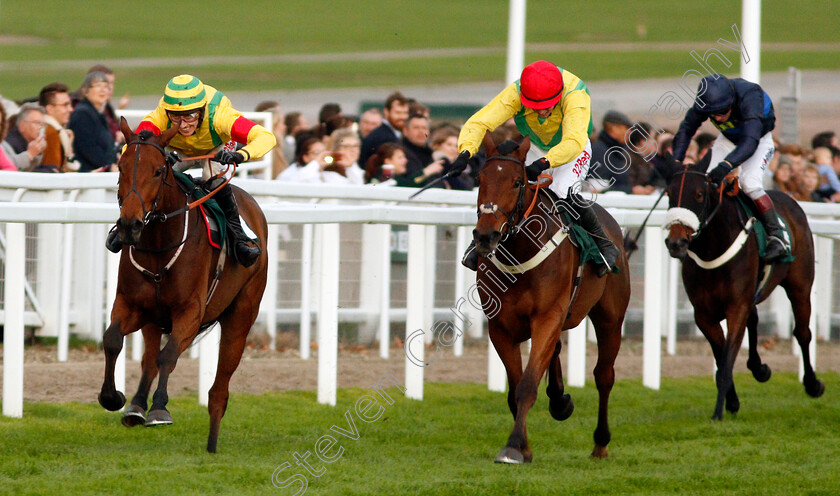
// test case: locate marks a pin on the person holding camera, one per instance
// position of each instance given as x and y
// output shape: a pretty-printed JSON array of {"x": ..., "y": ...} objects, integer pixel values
[
  {"x": 25, "y": 143},
  {"x": 207, "y": 123}
]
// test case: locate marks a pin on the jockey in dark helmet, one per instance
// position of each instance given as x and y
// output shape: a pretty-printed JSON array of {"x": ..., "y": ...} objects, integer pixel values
[
  {"x": 208, "y": 123},
  {"x": 551, "y": 106},
  {"x": 743, "y": 113}
]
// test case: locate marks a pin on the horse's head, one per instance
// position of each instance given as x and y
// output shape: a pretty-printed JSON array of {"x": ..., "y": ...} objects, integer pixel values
[
  {"x": 501, "y": 193},
  {"x": 143, "y": 172},
  {"x": 691, "y": 202}
]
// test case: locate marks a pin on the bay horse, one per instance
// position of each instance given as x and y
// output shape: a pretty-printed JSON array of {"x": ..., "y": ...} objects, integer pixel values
[
  {"x": 539, "y": 304},
  {"x": 166, "y": 272},
  {"x": 705, "y": 230}
]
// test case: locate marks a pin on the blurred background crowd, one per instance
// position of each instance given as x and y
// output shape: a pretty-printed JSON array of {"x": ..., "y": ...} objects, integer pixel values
[{"x": 400, "y": 143}]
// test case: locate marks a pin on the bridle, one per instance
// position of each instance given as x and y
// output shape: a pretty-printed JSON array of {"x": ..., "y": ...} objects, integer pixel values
[
  {"x": 164, "y": 171},
  {"x": 704, "y": 219},
  {"x": 510, "y": 227}
]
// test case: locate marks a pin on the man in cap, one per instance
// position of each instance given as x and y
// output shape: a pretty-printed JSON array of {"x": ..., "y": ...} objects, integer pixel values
[
  {"x": 551, "y": 106},
  {"x": 744, "y": 114},
  {"x": 208, "y": 123}
]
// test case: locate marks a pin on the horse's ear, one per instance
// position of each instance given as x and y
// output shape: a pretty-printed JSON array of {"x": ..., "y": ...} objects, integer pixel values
[
  {"x": 489, "y": 145},
  {"x": 168, "y": 135},
  {"x": 703, "y": 164},
  {"x": 524, "y": 146},
  {"x": 126, "y": 130}
]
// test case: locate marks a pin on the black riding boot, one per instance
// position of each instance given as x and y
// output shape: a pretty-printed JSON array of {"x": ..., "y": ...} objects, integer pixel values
[
  {"x": 246, "y": 253},
  {"x": 776, "y": 246},
  {"x": 112, "y": 242},
  {"x": 470, "y": 259},
  {"x": 608, "y": 250}
]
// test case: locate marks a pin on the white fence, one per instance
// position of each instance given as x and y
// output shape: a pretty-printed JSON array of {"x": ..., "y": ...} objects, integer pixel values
[{"x": 73, "y": 210}]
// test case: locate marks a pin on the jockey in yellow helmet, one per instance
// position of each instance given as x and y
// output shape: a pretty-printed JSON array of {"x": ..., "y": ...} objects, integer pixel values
[{"x": 207, "y": 123}]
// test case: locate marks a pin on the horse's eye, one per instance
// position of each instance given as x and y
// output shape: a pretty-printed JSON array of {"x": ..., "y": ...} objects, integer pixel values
[
  {"x": 158, "y": 172},
  {"x": 700, "y": 195},
  {"x": 518, "y": 183}
]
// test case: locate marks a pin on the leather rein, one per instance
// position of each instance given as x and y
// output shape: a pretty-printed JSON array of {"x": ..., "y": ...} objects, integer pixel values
[{"x": 515, "y": 218}]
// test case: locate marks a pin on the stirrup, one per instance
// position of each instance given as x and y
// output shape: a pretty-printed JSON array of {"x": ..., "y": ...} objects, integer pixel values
[
  {"x": 246, "y": 254},
  {"x": 776, "y": 249}
]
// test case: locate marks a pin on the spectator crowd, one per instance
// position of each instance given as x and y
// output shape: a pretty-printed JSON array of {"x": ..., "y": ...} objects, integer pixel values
[{"x": 399, "y": 144}]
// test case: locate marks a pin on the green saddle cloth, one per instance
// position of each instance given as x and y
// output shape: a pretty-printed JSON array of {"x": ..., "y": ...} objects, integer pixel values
[
  {"x": 579, "y": 236},
  {"x": 761, "y": 232}
]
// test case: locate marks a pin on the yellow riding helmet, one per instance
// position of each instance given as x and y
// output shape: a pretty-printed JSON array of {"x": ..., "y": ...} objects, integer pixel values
[{"x": 184, "y": 93}]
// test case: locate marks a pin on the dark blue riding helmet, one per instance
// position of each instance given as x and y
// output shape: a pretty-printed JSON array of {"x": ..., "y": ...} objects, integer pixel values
[{"x": 714, "y": 94}]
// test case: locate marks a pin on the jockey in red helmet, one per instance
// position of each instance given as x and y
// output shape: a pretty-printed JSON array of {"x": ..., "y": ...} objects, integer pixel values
[{"x": 551, "y": 106}]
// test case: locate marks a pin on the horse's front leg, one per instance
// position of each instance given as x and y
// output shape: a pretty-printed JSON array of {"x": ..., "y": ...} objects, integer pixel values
[
  {"x": 184, "y": 330},
  {"x": 123, "y": 322},
  {"x": 545, "y": 331},
  {"x": 761, "y": 371},
  {"x": 714, "y": 335},
  {"x": 135, "y": 414},
  {"x": 511, "y": 356}
]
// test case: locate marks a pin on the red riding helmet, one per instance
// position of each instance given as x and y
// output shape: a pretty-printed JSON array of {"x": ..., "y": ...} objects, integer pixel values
[{"x": 540, "y": 85}]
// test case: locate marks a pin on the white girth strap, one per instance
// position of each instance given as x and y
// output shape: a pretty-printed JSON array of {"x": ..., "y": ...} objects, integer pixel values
[
  {"x": 174, "y": 257},
  {"x": 537, "y": 259},
  {"x": 730, "y": 252}
]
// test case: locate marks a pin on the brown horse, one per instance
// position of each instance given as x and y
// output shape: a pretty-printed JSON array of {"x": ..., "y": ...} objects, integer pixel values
[
  {"x": 166, "y": 272},
  {"x": 539, "y": 304},
  {"x": 704, "y": 227}
]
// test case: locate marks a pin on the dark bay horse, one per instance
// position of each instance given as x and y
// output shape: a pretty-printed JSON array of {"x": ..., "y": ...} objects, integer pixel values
[
  {"x": 166, "y": 271},
  {"x": 539, "y": 304},
  {"x": 705, "y": 227}
]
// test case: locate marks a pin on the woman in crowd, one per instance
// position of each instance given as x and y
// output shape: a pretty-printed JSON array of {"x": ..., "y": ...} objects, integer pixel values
[{"x": 93, "y": 144}]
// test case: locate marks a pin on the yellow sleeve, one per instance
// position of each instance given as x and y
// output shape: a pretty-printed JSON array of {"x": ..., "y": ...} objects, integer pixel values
[
  {"x": 501, "y": 108},
  {"x": 157, "y": 118},
  {"x": 260, "y": 142},
  {"x": 230, "y": 124},
  {"x": 576, "y": 116}
]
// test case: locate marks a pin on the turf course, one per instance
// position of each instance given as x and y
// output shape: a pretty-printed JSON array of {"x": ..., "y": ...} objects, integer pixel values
[
  {"x": 781, "y": 443},
  {"x": 101, "y": 30}
]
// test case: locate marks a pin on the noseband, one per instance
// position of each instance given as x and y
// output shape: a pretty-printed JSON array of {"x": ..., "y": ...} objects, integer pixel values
[
  {"x": 704, "y": 219},
  {"x": 151, "y": 214},
  {"x": 510, "y": 227}
]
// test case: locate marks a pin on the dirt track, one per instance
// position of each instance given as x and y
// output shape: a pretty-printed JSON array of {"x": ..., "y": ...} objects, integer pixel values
[{"x": 79, "y": 379}]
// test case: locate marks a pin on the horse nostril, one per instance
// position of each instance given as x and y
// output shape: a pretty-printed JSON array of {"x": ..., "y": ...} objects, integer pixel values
[
  {"x": 136, "y": 225},
  {"x": 495, "y": 236}
]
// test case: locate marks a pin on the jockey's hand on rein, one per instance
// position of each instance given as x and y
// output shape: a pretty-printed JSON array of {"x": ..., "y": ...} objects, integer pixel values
[
  {"x": 717, "y": 174},
  {"x": 229, "y": 157},
  {"x": 460, "y": 163},
  {"x": 535, "y": 168}
]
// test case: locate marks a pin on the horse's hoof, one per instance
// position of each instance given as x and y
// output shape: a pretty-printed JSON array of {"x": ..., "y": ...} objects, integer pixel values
[
  {"x": 815, "y": 389},
  {"x": 600, "y": 452},
  {"x": 717, "y": 416},
  {"x": 158, "y": 417},
  {"x": 134, "y": 416},
  {"x": 112, "y": 403},
  {"x": 510, "y": 456},
  {"x": 562, "y": 408},
  {"x": 763, "y": 373},
  {"x": 733, "y": 406}
]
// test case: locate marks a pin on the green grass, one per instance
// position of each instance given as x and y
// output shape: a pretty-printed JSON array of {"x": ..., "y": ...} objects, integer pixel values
[
  {"x": 100, "y": 29},
  {"x": 781, "y": 443}
]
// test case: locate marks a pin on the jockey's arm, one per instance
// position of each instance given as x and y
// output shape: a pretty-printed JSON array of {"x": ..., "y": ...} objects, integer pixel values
[
  {"x": 501, "y": 108},
  {"x": 750, "y": 135},
  {"x": 688, "y": 127},
  {"x": 257, "y": 140},
  {"x": 576, "y": 116}
]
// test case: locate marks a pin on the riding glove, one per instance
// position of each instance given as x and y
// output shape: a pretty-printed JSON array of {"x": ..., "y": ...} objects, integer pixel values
[
  {"x": 535, "y": 168},
  {"x": 460, "y": 163},
  {"x": 229, "y": 157},
  {"x": 717, "y": 174}
]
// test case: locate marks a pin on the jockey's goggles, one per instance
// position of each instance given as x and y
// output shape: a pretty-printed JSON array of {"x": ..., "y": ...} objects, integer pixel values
[
  {"x": 187, "y": 118},
  {"x": 721, "y": 112}
]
